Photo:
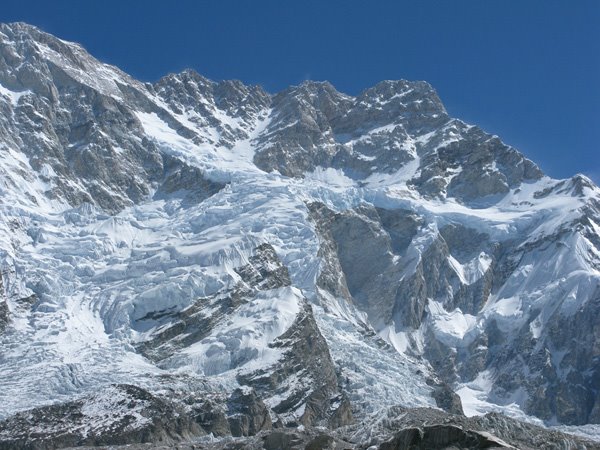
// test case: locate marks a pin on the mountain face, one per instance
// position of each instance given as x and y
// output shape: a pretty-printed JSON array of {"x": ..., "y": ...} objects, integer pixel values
[{"x": 188, "y": 258}]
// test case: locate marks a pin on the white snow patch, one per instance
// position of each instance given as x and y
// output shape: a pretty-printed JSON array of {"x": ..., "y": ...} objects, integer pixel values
[
  {"x": 450, "y": 327},
  {"x": 331, "y": 177},
  {"x": 472, "y": 271},
  {"x": 12, "y": 96},
  {"x": 243, "y": 341}
]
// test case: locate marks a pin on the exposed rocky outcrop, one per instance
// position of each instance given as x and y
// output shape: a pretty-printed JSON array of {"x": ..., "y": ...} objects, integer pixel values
[
  {"x": 306, "y": 361},
  {"x": 411, "y": 265},
  {"x": 315, "y": 390},
  {"x": 432, "y": 429},
  {"x": 380, "y": 131},
  {"x": 4, "y": 313},
  {"x": 187, "y": 181},
  {"x": 401, "y": 280},
  {"x": 180, "y": 329},
  {"x": 241, "y": 413},
  {"x": 477, "y": 166},
  {"x": 396, "y": 429},
  {"x": 204, "y": 102},
  {"x": 80, "y": 130},
  {"x": 446, "y": 398},
  {"x": 299, "y": 137},
  {"x": 247, "y": 414},
  {"x": 120, "y": 414},
  {"x": 441, "y": 437},
  {"x": 555, "y": 392}
]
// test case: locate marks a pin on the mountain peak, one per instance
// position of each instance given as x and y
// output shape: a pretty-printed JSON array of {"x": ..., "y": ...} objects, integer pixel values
[
  {"x": 21, "y": 27},
  {"x": 314, "y": 85},
  {"x": 187, "y": 75}
]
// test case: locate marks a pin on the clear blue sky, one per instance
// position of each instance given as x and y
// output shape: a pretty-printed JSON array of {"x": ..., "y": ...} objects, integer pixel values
[{"x": 527, "y": 70}]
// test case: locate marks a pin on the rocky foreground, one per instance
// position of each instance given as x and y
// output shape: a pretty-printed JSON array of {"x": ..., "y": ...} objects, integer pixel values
[{"x": 127, "y": 417}]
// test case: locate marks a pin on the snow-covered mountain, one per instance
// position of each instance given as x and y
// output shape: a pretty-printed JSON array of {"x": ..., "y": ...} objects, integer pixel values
[{"x": 241, "y": 260}]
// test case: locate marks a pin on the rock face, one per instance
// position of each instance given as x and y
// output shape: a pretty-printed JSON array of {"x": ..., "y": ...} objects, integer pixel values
[
  {"x": 120, "y": 414},
  {"x": 439, "y": 437},
  {"x": 304, "y": 381},
  {"x": 204, "y": 103},
  {"x": 4, "y": 317},
  {"x": 432, "y": 429},
  {"x": 187, "y": 181},
  {"x": 408, "y": 280},
  {"x": 174, "y": 331},
  {"x": 248, "y": 264},
  {"x": 4, "y": 313},
  {"x": 316, "y": 126},
  {"x": 381, "y": 240},
  {"x": 315, "y": 392},
  {"x": 396, "y": 429},
  {"x": 248, "y": 415},
  {"x": 447, "y": 399},
  {"x": 72, "y": 129}
]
